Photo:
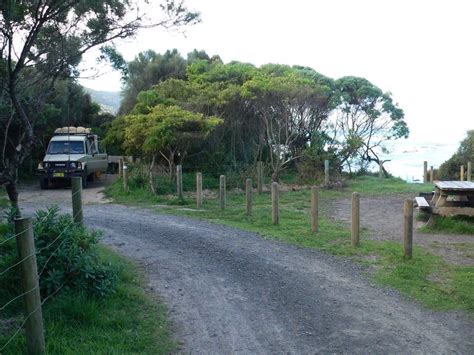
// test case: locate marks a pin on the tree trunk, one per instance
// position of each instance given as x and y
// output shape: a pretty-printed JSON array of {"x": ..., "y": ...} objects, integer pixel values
[
  {"x": 12, "y": 192},
  {"x": 151, "y": 175}
]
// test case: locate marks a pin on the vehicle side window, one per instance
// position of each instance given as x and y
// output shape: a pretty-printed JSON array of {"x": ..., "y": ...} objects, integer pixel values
[{"x": 88, "y": 147}]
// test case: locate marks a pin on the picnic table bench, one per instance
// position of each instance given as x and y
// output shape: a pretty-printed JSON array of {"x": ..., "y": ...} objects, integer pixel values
[{"x": 453, "y": 198}]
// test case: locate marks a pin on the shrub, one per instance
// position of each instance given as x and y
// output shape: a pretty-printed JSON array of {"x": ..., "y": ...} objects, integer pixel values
[
  {"x": 450, "y": 169},
  {"x": 67, "y": 256}
]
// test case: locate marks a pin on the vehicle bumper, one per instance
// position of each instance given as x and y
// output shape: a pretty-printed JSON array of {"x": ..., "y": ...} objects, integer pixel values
[{"x": 55, "y": 174}]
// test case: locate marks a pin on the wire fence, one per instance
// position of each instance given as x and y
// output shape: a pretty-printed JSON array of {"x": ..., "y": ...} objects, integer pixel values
[{"x": 37, "y": 252}]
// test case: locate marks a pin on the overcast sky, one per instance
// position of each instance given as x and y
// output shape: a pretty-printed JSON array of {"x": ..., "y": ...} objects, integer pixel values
[{"x": 421, "y": 51}]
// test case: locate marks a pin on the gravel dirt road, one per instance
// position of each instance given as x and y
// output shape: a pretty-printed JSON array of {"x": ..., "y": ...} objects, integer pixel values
[{"x": 229, "y": 291}]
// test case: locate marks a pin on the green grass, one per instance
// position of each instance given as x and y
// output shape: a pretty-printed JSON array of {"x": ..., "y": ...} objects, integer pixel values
[
  {"x": 128, "y": 322},
  {"x": 450, "y": 225},
  {"x": 427, "y": 278},
  {"x": 371, "y": 185}
]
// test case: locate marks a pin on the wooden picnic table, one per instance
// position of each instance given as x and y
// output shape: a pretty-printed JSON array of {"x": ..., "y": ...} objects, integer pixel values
[{"x": 453, "y": 198}]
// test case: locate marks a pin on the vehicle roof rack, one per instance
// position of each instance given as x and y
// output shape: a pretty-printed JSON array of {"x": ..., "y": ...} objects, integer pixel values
[{"x": 72, "y": 131}]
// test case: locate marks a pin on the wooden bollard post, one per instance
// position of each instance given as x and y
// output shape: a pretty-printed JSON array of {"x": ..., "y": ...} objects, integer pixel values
[
  {"x": 259, "y": 177},
  {"x": 381, "y": 170},
  {"x": 30, "y": 283},
  {"x": 222, "y": 192},
  {"x": 120, "y": 167},
  {"x": 125, "y": 178},
  {"x": 314, "y": 208},
  {"x": 326, "y": 172},
  {"x": 408, "y": 228},
  {"x": 248, "y": 196},
  {"x": 425, "y": 172},
  {"x": 275, "y": 202},
  {"x": 179, "y": 181},
  {"x": 355, "y": 226},
  {"x": 431, "y": 174},
  {"x": 461, "y": 173},
  {"x": 469, "y": 171},
  {"x": 76, "y": 190},
  {"x": 198, "y": 190}
]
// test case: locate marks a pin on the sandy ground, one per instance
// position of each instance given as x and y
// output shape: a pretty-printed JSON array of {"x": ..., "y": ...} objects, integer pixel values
[{"x": 382, "y": 216}]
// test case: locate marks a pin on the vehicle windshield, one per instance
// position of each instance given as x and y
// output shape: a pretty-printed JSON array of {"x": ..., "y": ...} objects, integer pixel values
[{"x": 66, "y": 147}]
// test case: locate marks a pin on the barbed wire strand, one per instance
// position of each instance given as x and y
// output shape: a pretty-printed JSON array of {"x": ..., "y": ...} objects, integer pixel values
[
  {"x": 46, "y": 263},
  {"x": 34, "y": 224},
  {"x": 29, "y": 315},
  {"x": 17, "y": 297},
  {"x": 40, "y": 250}
]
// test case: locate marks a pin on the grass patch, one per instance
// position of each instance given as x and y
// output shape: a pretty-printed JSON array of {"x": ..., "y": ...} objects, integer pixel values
[
  {"x": 427, "y": 278},
  {"x": 371, "y": 185},
  {"x": 450, "y": 225},
  {"x": 126, "y": 322}
]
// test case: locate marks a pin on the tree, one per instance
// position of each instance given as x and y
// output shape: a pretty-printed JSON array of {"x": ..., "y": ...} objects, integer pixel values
[
  {"x": 450, "y": 169},
  {"x": 43, "y": 40},
  {"x": 291, "y": 106},
  {"x": 365, "y": 119},
  {"x": 168, "y": 131},
  {"x": 147, "y": 69}
]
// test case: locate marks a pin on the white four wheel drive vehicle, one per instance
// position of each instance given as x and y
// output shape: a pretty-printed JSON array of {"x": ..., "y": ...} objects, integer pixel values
[{"x": 73, "y": 151}]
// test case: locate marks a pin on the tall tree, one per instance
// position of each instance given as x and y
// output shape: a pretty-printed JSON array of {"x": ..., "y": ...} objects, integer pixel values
[
  {"x": 43, "y": 40},
  {"x": 365, "y": 120},
  {"x": 147, "y": 69},
  {"x": 291, "y": 106}
]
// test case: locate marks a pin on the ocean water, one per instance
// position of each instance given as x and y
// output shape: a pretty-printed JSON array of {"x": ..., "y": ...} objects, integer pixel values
[{"x": 406, "y": 158}]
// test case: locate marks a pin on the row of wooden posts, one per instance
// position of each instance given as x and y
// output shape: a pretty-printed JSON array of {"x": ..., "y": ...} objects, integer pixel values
[
  {"x": 462, "y": 174},
  {"x": 275, "y": 198}
]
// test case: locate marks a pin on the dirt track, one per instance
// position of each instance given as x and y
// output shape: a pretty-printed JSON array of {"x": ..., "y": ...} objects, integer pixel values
[
  {"x": 383, "y": 217},
  {"x": 230, "y": 291}
]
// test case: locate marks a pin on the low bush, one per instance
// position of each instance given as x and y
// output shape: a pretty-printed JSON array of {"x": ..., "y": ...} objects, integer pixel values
[{"x": 67, "y": 257}]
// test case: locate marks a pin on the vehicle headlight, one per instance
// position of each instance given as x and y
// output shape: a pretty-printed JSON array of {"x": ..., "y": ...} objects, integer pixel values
[
  {"x": 40, "y": 166},
  {"x": 46, "y": 165},
  {"x": 79, "y": 165},
  {"x": 72, "y": 165}
]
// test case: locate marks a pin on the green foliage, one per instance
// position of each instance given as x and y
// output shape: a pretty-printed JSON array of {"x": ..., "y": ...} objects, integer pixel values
[
  {"x": 67, "y": 257},
  {"x": 366, "y": 118},
  {"x": 125, "y": 322},
  {"x": 450, "y": 169}
]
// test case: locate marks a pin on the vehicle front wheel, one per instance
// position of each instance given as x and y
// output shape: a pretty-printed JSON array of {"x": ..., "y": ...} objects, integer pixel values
[{"x": 44, "y": 183}]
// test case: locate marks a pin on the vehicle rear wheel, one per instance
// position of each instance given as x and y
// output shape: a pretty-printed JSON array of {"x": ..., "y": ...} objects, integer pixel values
[{"x": 44, "y": 183}]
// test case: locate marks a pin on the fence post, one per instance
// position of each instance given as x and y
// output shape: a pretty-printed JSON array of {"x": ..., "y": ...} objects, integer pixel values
[
  {"x": 469, "y": 171},
  {"x": 198, "y": 190},
  {"x": 179, "y": 181},
  {"x": 431, "y": 174},
  {"x": 120, "y": 167},
  {"x": 314, "y": 208},
  {"x": 76, "y": 189},
  {"x": 222, "y": 191},
  {"x": 30, "y": 281},
  {"x": 408, "y": 228},
  {"x": 326, "y": 172},
  {"x": 259, "y": 177},
  {"x": 248, "y": 196},
  {"x": 355, "y": 227},
  {"x": 461, "y": 173},
  {"x": 425, "y": 172},
  {"x": 125, "y": 178},
  {"x": 275, "y": 202}
]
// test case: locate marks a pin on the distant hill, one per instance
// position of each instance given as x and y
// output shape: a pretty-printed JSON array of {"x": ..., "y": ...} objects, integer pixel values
[{"x": 108, "y": 100}]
